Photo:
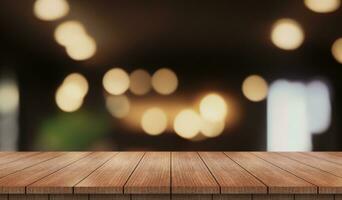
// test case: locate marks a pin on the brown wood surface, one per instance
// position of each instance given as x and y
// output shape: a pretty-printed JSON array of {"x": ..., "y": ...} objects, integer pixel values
[
  {"x": 190, "y": 175},
  {"x": 16, "y": 183},
  {"x": 277, "y": 180},
  {"x": 152, "y": 176},
  {"x": 324, "y": 165},
  {"x": 230, "y": 176},
  {"x": 170, "y": 175},
  {"x": 25, "y": 162},
  {"x": 328, "y": 156},
  {"x": 326, "y": 182},
  {"x": 65, "y": 179},
  {"x": 6, "y": 157},
  {"x": 112, "y": 176}
]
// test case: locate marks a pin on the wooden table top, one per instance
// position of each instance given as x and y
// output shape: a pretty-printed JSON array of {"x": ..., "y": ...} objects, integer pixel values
[{"x": 170, "y": 173}]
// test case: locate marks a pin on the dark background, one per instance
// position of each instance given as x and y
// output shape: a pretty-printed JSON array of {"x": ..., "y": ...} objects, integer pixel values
[{"x": 211, "y": 45}]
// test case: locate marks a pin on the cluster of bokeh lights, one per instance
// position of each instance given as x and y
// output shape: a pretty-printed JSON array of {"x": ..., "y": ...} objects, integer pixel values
[{"x": 208, "y": 118}]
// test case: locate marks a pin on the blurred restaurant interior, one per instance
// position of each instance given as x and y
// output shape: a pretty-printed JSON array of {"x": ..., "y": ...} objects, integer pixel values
[{"x": 171, "y": 75}]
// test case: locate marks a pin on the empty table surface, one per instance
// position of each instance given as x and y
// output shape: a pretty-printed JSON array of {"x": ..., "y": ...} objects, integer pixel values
[{"x": 166, "y": 175}]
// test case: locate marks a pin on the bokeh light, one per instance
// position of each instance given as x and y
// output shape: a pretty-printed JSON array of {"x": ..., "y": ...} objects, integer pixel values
[
  {"x": 140, "y": 82},
  {"x": 154, "y": 121},
  {"x": 213, "y": 108},
  {"x": 82, "y": 49},
  {"x": 255, "y": 88},
  {"x": 322, "y": 6},
  {"x": 69, "y": 97},
  {"x": 164, "y": 81},
  {"x": 212, "y": 129},
  {"x": 336, "y": 50},
  {"x": 187, "y": 124},
  {"x": 116, "y": 81},
  {"x": 9, "y": 96},
  {"x": 79, "y": 81},
  {"x": 118, "y": 106},
  {"x": 49, "y": 10},
  {"x": 68, "y": 32},
  {"x": 287, "y": 34}
]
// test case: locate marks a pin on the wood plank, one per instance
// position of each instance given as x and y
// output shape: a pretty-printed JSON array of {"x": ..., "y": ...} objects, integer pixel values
[
  {"x": 112, "y": 176},
  {"x": 277, "y": 180},
  {"x": 324, "y": 165},
  {"x": 273, "y": 197},
  {"x": 15, "y": 183},
  {"x": 326, "y": 182},
  {"x": 314, "y": 197},
  {"x": 192, "y": 196},
  {"x": 190, "y": 175},
  {"x": 152, "y": 175},
  {"x": 230, "y": 176},
  {"x": 232, "y": 197},
  {"x": 3, "y": 196},
  {"x": 63, "y": 181},
  {"x": 150, "y": 197},
  {"x": 109, "y": 197},
  {"x": 328, "y": 156},
  {"x": 28, "y": 197},
  {"x": 26, "y": 162},
  {"x": 69, "y": 197},
  {"x": 7, "y": 157}
]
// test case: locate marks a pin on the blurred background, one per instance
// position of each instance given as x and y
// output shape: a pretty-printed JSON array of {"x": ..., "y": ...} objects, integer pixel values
[{"x": 171, "y": 75}]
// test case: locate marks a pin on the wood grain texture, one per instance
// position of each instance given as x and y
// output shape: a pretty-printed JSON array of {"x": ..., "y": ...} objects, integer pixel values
[
  {"x": 273, "y": 197},
  {"x": 192, "y": 196},
  {"x": 109, "y": 197},
  {"x": 15, "y": 183},
  {"x": 25, "y": 162},
  {"x": 63, "y": 181},
  {"x": 112, "y": 176},
  {"x": 69, "y": 197},
  {"x": 277, "y": 180},
  {"x": 150, "y": 197},
  {"x": 28, "y": 197},
  {"x": 324, "y": 165},
  {"x": 314, "y": 197},
  {"x": 190, "y": 175},
  {"x": 232, "y": 197},
  {"x": 328, "y": 156},
  {"x": 6, "y": 157},
  {"x": 326, "y": 182},
  {"x": 152, "y": 176},
  {"x": 232, "y": 178}
]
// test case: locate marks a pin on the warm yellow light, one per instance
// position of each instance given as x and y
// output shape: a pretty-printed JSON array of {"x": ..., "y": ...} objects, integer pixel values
[
  {"x": 69, "y": 97},
  {"x": 118, "y": 106},
  {"x": 336, "y": 50},
  {"x": 213, "y": 108},
  {"x": 212, "y": 129},
  {"x": 116, "y": 81},
  {"x": 255, "y": 88},
  {"x": 78, "y": 80},
  {"x": 140, "y": 82},
  {"x": 164, "y": 81},
  {"x": 154, "y": 121},
  {"x": 187, "y": 124},
  {"x": 50, "y": 9},
  {"x": 323, "y": 6},
  {"x": 84, "y": 49},
  {"x": 68, "y": 33},
  {"x": 9, "y": 97},
  {"x": 287, "y": 34}
]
